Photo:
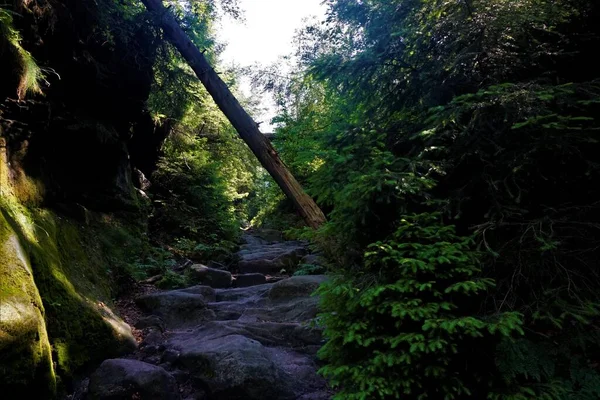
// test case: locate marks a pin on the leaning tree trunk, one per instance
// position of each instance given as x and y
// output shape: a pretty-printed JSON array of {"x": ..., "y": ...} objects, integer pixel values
[{"x": 246, "y": 127}]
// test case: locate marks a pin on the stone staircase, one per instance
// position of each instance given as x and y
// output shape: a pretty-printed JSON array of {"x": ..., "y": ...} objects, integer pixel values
[{"x": 248, "y": 337}]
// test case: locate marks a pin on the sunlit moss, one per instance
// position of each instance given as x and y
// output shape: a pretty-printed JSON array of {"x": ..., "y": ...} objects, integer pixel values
[{"x": 24, "y": 344}]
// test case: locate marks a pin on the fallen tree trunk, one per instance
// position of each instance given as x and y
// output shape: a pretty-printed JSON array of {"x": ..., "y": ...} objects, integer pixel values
[{"x": 246, "y": 127}]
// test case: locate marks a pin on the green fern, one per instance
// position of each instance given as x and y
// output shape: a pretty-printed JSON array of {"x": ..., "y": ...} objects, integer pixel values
[{"x": 30, "y": 74}]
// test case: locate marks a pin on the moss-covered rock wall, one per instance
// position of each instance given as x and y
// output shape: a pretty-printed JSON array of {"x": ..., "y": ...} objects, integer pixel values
[
  {"x": 25, "y": 351},
  {"x": 70, "y": 217},
  {"x": 56, "y": 288}
]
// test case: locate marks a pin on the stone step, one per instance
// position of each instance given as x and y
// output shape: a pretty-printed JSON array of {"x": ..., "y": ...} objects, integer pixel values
[
  {"x": 177, "y": 308},
  {"x": 216, "y": 278},
  {"x": 244, "y": 293},
  {"x": 245, "y": 280},
  {"x": 240, "y": 336},
  {"x": 294, "y": 335},
  {"x": 237, "y": 361},
  {"x": 129, "y": 379}
]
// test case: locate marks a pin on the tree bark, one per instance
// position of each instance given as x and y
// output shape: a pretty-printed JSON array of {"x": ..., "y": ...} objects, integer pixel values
[{"x": 246, "y": 127}]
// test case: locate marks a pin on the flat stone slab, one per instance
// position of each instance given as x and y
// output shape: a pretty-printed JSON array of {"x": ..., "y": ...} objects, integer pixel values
[
  {"x": 296, "y": 286},
  {"x": 207, "y": 292},
  {"x": 236, "y": 366},
  {"x": 273, "y": 334},
  {"x": 177, "y": 308},
  {"x": 250, "y": 293}
]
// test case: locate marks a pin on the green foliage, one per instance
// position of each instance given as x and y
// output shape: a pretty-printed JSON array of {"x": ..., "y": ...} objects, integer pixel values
[
  {"x": 482, "y": 111},
  {"x": 73, "y": 268},
  {"x": 404, "y": 326},
  {"x": 206, "y": 173},
  {"x": 172, "y": 280},
  {"x": 29, "y": 74},
  {"x": 531, "y": 370},
  {"x": 219, "y": 250},
  {"x": 310, "y": 269},
  {"x": 190, "y": 193},
  {"x": 153, "y": 261}
]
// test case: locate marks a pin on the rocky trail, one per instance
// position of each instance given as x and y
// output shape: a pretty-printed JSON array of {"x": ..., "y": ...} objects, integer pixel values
[{"x": 234, "y": 336}]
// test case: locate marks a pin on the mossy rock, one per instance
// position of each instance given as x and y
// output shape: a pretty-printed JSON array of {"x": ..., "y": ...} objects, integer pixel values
[
  {"x": 25, "y": 352},
  {"x": 72, "y": 277},
  {"x": 56, "y": 271}
]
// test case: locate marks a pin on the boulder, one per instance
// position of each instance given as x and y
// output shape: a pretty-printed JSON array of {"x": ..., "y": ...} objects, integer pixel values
[
  {"x": 296, "y": 286},
  {"x": 215, "y": 278},
  {"x": 289, "y": 300},
  {"x": 121, "y": 379},
  {"x": 250, "y": 360},
  {"x": 232, "y": 303},
  {"x": 235, "y": 367},
  {"x": 25, "y": 352},
  {"x": 140, "y": 181},
  {"x": 245, "y": 280},
  {"x": 226, "y": 311},
  {"x": 176, "y": 308}
]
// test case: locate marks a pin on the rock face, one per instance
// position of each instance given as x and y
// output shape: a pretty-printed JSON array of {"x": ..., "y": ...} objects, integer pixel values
[
  {"x": 253, "y": 341},
  {"x": 25, "y": 351},
  {"x": 121, "y": 379},
  {"x": 53, "y": 313},
  {"x": 55, "y": 289}
]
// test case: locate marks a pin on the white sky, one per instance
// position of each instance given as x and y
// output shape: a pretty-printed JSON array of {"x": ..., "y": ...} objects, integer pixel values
[{"x": 265, "y": 35}]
